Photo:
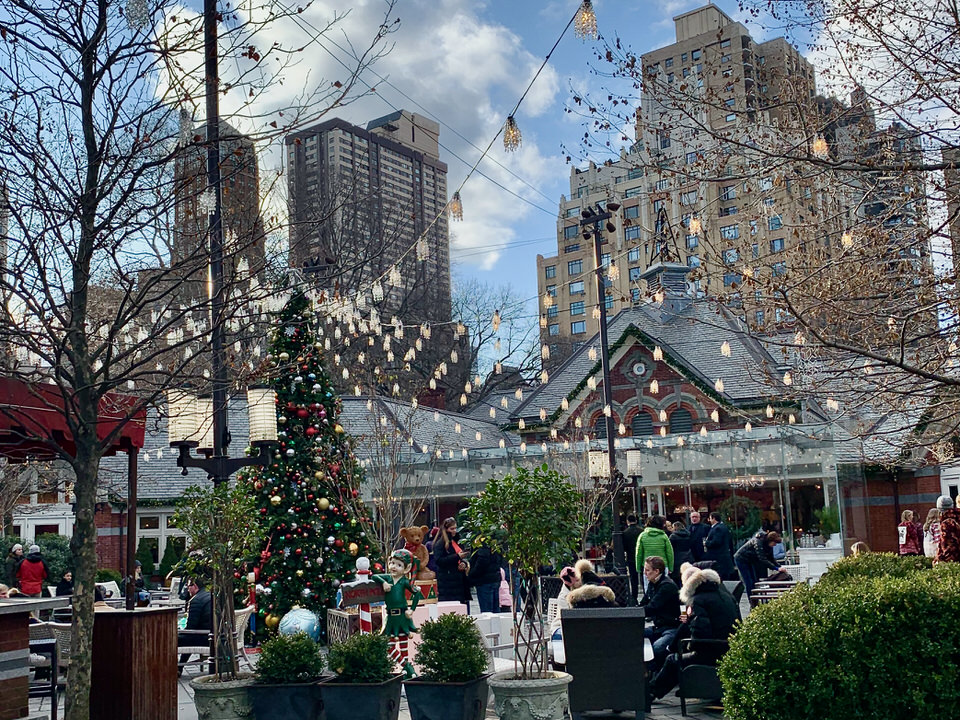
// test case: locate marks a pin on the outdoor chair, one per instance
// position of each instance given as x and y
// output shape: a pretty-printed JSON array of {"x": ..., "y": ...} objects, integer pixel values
[
  {"x": 604, "y": 649},
  {"x": 736, "y": 589},
  {"x": 40, "y": 631},
  {"x": 62, "y": 633},
  {"x": 52, "y": 590},
  {"x": 110, "y": 589},
  {"x": 553, "y": 607},
  {"x": 700, "y": 682},
  {"x": 241, "y": 624},
  {"x": 766, "y": 590}
]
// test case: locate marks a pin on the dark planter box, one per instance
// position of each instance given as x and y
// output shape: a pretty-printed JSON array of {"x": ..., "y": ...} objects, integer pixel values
[
  {"x": 289, "y": 700},
  {"x": 370, "y": 701},
  {"x": 447, "y": 701}
]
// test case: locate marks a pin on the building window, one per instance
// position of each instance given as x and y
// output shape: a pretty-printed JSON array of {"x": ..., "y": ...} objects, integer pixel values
[
  {"x": 572, "y": 212},
  {"x": 725, "y": 43},
  {"x": 571, "y": 248},
  {"x": 693, "y": 261},
  {"x": 633, "y": 255},
  {"x": 552, "y": 311},
  {"x": 631, "y": 212},
  {"x": 730, "y": 102},
  {"x": 730, "y": 117},
  {"x": 753, "y": 227},
  {"x": 657, "y": 206},
  {"x": 695, "y": 55},
  {"x": 728, "y": 192},
  {"x": 669, "y": 77},
  {"x": 681, "y": 421},
  {"x": 608, "y": 301},
  {"x": 632, "y": 233},
  {"x": 758, "y": 318},
  {"x": 730, "y": 279},
  {"x": 724, "y": 59},
  {"x": 635, "y": 294},
  {"x": 550, "y": 271},
  {"x": 683, "y": 57},
  {"x": 766, "y": 184},
  {"x": 635, "y": 273},
  {"x": 634, "y": 173},
  {"x": 776, "y": 245},
  {"x": 692, "y": 158},
  {"x": 554, "y": 329},
  {"x": 774, "y": 223},
  {"x": 692, "y": 242},
  {"x": 662, "y": 184},
  {"x": 576, "y": 288},
  {"x": 642, "y": 424},
  {"x": 574, "y": 267},
  {"x": 688, "y": 198},
  {"x": 605, "y": 260},
  {"x": 725, "y": 211},
  {"x": 664, "y": 140},
  {"x": 730, "y": 232},
  {"x": 730, "y": 256},
  {"x": 570, "y": 232},
  {"x": 686, "y": 72},
  {"x": 779, "y": 268},
  {"x": 668, "y": 62},
  {"x": 578, "y": 328},
  {"x": 552, "y": 290},
  {"x": 756, "y": 250},
  {"x": 577, "y": 308},
  {"x": 581, "y": 191},
  {"x": 633, "y": 192}
]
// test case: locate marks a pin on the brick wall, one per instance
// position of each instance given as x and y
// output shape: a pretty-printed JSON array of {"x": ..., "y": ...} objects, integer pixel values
[
  {"x": 110, "y": 524},
  {"x": 14, "y": 680}
]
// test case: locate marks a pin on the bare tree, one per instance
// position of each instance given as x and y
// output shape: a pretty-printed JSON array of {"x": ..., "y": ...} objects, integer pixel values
[{"x": 89, "y": 135}]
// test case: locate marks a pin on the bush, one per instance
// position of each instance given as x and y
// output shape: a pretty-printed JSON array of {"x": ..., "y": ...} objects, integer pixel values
[
  {"x": 146, "y": 559},
  {"x": 451, "y": 649},
  {"x": 873, "y": 565},
  {"x": 289, "y": 659},
  {"x": 56, "y": 551},
  {"x": 873, "y": 646},
  {"x": 171, "y": 556},
  {"x": 362, "y": 659},
  {"x": 108, "y": 575}
]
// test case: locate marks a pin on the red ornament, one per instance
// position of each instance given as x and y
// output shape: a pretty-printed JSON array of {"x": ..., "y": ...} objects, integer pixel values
[
  {"x": 338, "y": 542},
  {"x": 302, "y": 413},
  {"x": 291, "y": 405},
  {"x": 311, "y": 431}
]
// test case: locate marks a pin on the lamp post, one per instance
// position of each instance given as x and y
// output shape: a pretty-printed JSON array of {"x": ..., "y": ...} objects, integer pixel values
[{"x": 593, "y": 223}]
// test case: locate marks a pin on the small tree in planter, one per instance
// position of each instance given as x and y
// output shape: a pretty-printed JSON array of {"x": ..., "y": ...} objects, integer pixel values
[
  {"x": 532, "y": 518},
  {"x": 365, "y": 684},
  {"x": 286, "y": 679},
  {"x": 452, "y": 660}
]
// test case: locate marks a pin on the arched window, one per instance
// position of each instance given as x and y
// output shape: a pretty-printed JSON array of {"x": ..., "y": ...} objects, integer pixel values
[
  {"x": 681, "y": 421},
  {"x": 600, "y": 427},
  {"x": 642, "y": 424}
]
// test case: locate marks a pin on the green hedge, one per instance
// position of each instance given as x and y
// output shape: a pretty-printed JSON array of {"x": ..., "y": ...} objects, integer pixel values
[
  {"x": 852, "y": 569},
  {"x": 855, "y": 645},
  {"x": 56, "y": 551}
]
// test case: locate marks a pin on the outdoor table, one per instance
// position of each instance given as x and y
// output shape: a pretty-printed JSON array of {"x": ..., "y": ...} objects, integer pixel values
[
  {"x": 48, "y": 647},
  {"x": 15, "y": 652}
]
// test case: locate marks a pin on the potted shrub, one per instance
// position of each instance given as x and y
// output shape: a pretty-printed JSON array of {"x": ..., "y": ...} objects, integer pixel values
[
  {"x": 452, "y": 660},
  {"x": 532, "y": 518},
  {"x": 365, "y": 684},
  {"x": 829, "y": 521},
  {"x": 287, "y": 672},
  {"x": 217, "y": 521}
]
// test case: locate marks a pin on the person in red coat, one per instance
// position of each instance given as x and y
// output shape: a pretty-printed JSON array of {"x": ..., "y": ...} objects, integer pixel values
[
  {"x": 948, "y": 549},
  {"x": 910, "y": 538},
  {"x": 32, "y": 572}
]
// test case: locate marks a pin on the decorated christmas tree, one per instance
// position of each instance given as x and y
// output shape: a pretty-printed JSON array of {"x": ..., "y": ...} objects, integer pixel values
[{"x": 314, "y": 523}]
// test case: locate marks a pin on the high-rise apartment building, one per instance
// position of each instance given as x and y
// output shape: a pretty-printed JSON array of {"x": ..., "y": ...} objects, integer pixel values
[
  {"x": 707, "y": 99},
  {"x": 243, "y": 231},
  {"x": 363, "y": 201}
]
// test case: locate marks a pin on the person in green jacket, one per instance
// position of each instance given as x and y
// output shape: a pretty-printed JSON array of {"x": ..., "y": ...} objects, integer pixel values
[{"x": 654, "y": 542}]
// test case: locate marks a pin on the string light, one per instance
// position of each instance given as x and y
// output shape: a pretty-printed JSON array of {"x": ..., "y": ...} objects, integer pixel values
[
  {"x": 511, "y": 135},
  {"x": 592, "y": 354},
  {"x": 455, "y": 206},
  {"x": 564, "y": 404},
  {"x": 585, "y": 22},
  {"x": 703, "y": 430},
  {"x": 719, "y": 385},
  {"x": 521, "y": 424},
  {"x": 769, "y": 411},
  {"x": 715, "y": 415},
  {"x": 787, "y": 378},
  {"x": 748, "y": 427},
  {"x": 725, "y": 349},
  {"x": 846, "y": 239},
  {"x": 819, "y": 147},
  {"x": 654, "y": 387},
  {"x": 695, "y": 226},
  {"x": 657, "y": 353}
]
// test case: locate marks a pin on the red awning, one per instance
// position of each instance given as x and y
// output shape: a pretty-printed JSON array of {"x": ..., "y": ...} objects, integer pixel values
[{"x": 33, "y": 423}]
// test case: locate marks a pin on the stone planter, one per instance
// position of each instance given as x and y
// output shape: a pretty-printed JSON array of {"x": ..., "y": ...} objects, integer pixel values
[
  {"x": 538, "y": 699},
  {"x": 370, "y": 701},
  {"x": 222, "y": 700},
  {"x": 447, "y": 701}
]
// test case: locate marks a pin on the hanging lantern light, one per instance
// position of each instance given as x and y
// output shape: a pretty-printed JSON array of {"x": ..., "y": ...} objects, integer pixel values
[
  {"x": 769, "y": 411},
  {"x": 511, "y": 135},
  {"x": 695, "y": 226},
  {"x": 543, "y": 413},
  {"x": 585, "y": 23},
  {"x": 591, "y": 383},
  {"x": 719, "y": 385},
  {"x": 455, "y": 206},
  {"x": 703, "y": 430},
  {"x": 663, "y": 416},
  {"x": 493, "y": 413},
  {"x": 725, "y": 349},
  {"x": 787, "y": 378},
  {"x": 504, "y": 403},
  {"x": 607, "y": 411},
  {"x": 394, "y": 278},
  {"x": 495, "y": 321},
  {"x": 547, "y": 300},
  {"x": 749, "y": 426},
  {"x": 521, "y": 424},
  {"x": 715, "y": 415},
  {"x": 463, "y": 400},
  {"x": 657, "y": 353},
  {"x": 543, "y": 321},
  {"x": 545, "y": 352},
  {"x": 846, "y": 239},
  {"x": 654, "y": 387},
  {"x": 622, "y": 429},
  {"x": 819, "y": 147},
  {"x": 518, "y": 394},
  {"x": 564, "y": 404},
  {"x": 377, "y": 291},
  {"x": 592, "y": 353}
]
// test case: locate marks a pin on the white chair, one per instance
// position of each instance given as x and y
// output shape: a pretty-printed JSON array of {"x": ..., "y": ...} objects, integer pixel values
[
  {"x": 111, "y": 590},
  {"x": 553, "y": 607},
  {"x": 241, "y": 624},
  {"x": 52, "y": 589}
]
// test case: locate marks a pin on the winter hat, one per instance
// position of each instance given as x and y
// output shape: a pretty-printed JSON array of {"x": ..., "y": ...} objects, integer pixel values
[
  {"x": 34, "y": 549},
  {"x": 944, "y": 502},
  {"x": 16, "y": 547},
  {"x": 567, "y": 575}
]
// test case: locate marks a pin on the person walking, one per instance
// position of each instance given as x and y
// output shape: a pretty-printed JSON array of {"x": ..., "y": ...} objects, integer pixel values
[
  {"x": 630, "y": 535},
  {"x": 698, "y": 533},
  {"x": 32, "y": 572},
  {"x": 484, "y": 575},
  {"x": 661, "y": 603},
  {"x": 653, "y": 542},
  {"x": 931, "y": 532},
  {"x": 910, "y": 539},
  {"x": 718, "y": 547},
  {"x": 754, "y": 557},
  {"x": 682, "y": 549},
  {"x": 14, "y": 558},
  {"x": 452, "y": 565},
  {"x": 949, "y": 548}
]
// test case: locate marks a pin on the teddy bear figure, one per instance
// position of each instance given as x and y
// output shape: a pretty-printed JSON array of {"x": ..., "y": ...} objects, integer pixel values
[{"x": 414, "y": 543}]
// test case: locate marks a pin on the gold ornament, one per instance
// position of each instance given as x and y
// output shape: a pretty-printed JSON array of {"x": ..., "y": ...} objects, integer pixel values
[
  {"x": 353, "y": 548},
  {"x": 271, "y": 621},
  {"x": 338, "y": 429},
  {"x": 299, "y": 573},
  {"x": 319, "y": 475},
  {"x": 323, "y": 503},
  {"x": 275, "y": 500}
]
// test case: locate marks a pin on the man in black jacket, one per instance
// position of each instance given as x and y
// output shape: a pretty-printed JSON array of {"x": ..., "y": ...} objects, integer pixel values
[
  {"x": 698, "y": 533},
  {"x": 662, "y": 604},
  {"x": 754, "y": 557},
  {"x": 199, "y": 617},
  {"x": 719, "y": 548},
  {"x": 630, "y": 535}
]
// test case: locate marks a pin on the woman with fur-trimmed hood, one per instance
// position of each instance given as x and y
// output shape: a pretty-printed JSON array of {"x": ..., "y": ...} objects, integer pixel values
[{"x": 593, "y": 592}]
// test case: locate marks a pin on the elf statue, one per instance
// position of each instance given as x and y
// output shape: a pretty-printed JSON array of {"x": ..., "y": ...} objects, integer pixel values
[{"x": 399, "y": 623}]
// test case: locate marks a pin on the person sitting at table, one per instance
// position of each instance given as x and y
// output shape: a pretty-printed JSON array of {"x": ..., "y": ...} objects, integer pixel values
[
  {"x": 711, "y": 615},
  {"x": 4, "y": 591},
  {"x": 99, "y": 601},
  {"x": 65, "y": 586},
  {"x": 661, "y": 601},
  {"x": 593, "y": 592},
  {"x": 199, "y": 617}
]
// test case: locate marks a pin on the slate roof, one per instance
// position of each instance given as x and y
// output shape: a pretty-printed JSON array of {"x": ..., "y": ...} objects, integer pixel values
[{"x": 691, "y": 332}]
